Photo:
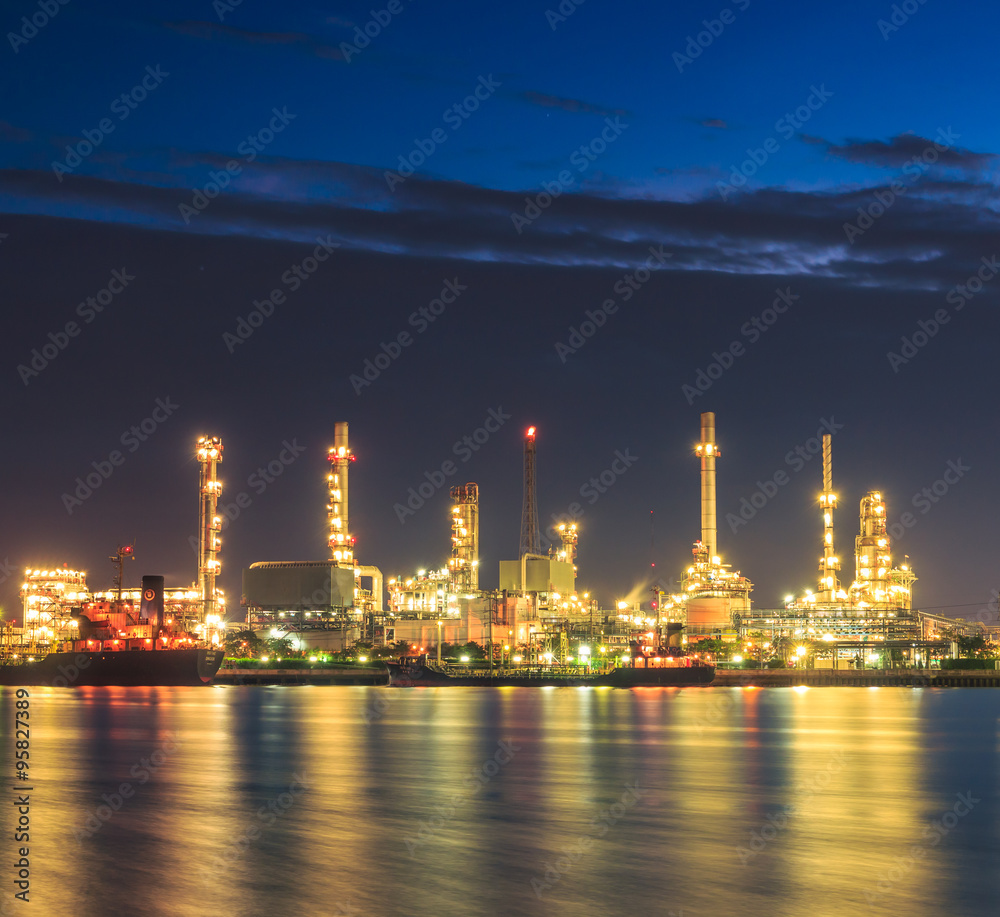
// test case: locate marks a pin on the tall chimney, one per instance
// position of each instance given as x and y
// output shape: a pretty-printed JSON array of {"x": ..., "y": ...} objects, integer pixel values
[
  {"x": 708, "y": 452},
  {"x": 341, "y": 542}
]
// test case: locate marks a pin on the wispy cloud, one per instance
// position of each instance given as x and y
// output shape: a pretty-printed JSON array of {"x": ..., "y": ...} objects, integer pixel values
[
  {"x": 897, "y": 151},
  {"x": 209, "y": 31},
  {"x": 572, "y": 105}
]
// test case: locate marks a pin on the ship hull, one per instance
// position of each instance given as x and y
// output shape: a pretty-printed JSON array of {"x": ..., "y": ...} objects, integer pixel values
[
  {"x": 123, "y": 668},
  {"x": 401, "y": 676}
]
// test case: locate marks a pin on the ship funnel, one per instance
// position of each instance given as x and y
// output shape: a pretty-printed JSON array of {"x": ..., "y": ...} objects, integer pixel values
[{"x": 151, "y": 607}]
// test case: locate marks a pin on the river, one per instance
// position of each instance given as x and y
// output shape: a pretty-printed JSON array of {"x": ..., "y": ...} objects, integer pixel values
[{"x": 460, "y": 802}]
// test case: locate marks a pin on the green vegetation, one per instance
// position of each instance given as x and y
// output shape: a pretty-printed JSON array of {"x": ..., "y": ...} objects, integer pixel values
[{"x": 968, "y": 664}]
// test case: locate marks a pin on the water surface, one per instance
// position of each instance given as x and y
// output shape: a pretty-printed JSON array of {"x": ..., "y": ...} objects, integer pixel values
[{"x": 511, "y": 801}]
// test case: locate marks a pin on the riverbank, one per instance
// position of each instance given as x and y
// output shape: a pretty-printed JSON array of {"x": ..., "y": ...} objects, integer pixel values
[
  {"x": 857, "y": 678},
  {"x": 729, "y": 678}
]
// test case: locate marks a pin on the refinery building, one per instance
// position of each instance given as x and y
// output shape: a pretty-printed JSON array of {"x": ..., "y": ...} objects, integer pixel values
[{"x": 538, "y": 613}]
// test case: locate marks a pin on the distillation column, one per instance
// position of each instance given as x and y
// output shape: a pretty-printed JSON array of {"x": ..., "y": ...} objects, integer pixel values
[
  {"x": 341, "y": 542},
  {"x": 708, "y": 451},
  {"x": 871, "y": 553},
  {"x": 209, "y": 453},
  {"x": 464, "y": 563},
  {"x": 829, "y": 585}
]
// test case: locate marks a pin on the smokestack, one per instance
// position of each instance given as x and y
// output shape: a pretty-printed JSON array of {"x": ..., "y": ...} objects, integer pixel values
[
  {"x": 209, "y": 452},
  {"x": 708, "y": 452},
  {"x": 341, "y": 543},
  {"x": 531, "y": 540},
  {"x": 151, "y": 604}
]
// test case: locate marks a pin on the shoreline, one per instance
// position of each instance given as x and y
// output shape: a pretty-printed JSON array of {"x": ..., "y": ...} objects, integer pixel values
[{"x": 728, "y": 678}]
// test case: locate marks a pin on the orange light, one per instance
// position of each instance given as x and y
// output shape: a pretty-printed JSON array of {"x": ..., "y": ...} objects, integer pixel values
[{"x": 531, "y": 431}]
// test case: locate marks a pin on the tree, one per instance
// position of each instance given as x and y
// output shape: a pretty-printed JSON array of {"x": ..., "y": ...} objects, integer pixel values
[
  {"x": 471, "y": 649},
  {"x": 976, "y": 647},
  {"x": 279, "y": 646},
  {"x": 244, "y": 644}
]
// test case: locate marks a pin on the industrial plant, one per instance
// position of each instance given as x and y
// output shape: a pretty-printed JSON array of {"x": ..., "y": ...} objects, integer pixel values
[
  {"x": 54, "y": 599},
  {"x": 537, "y": 614}
]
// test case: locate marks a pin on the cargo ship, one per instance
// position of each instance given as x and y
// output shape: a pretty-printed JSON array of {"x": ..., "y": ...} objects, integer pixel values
[
  {"x": 667, "y": 672},
  {"x": 115, "y": 646}
]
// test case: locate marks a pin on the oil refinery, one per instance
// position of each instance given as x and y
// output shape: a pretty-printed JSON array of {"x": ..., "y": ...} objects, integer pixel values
[{"x": 537, "y": 613}]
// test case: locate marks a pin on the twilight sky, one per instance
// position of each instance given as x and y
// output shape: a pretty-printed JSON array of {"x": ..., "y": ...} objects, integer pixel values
[{"x": 224, "y": 213}]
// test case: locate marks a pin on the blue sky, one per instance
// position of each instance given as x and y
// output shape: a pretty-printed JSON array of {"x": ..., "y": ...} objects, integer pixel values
[{"x": 868, "y": 104}]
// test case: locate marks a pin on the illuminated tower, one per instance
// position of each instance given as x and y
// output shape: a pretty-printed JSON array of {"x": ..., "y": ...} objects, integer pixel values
[
  {"x": 829, "y": 585},
  {"x": 708, "y": 451},
  {"x": 531, "y": 539},
  {"x": 209, "y": 523},
  {"x": 569, "y": 538},
  {"x": 464, "y": 563},
  {"x": 341, "y": 542},
  {"x": 873, "y": 561}
]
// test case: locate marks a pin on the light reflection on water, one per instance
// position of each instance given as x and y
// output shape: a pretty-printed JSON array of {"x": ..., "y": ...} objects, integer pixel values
[{"x": 469, "y": 801}]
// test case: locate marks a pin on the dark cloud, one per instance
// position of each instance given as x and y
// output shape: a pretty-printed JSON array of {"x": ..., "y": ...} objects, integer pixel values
[
  {"x": 11, "y": 133},
  {"x": 925, "y": 241},
  {"x": 212, "y": 30},
  {"x": 572, "y": 105},
  {"x": 903, "y": 148}
]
